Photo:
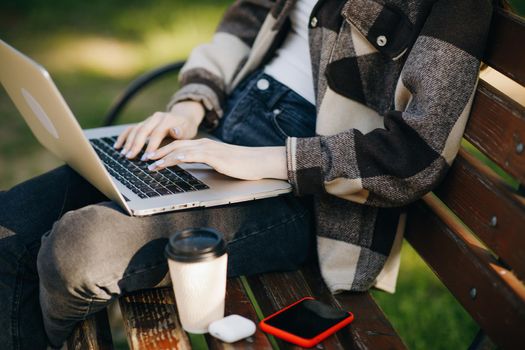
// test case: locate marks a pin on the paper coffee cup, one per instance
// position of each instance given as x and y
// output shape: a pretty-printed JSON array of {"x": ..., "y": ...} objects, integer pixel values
[{"x": 198, "y": 263}]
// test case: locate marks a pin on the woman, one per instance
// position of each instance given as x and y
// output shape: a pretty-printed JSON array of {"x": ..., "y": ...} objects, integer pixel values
[{"x": 359, "y": 104}]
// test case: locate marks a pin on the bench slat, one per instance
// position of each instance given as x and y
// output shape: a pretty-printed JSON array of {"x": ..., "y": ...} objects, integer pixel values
[
  {"x": 505, "y": 50},
  {"x": 93, "y": 333},
  {"x": 273, "y": 291},
  {"x": 237, "y": 302},
  {"x": 497, "y": 127},
  {"x": 477, "y": 199},
  {"x": 492, "y": 295},
  {"x": 151, "y": 321},
  {"x": 370, "y": 328},
  {"x": 272, "y": 296}
]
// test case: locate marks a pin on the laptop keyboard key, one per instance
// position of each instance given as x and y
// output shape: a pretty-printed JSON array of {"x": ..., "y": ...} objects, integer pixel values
[
  {"x": 135, "y": 175},
  {"x": 185, "y": 187},
  {"x": 163, "y": 191},
  {"x": 201, "y": 186},
  {"x": 174, "y": 188}
]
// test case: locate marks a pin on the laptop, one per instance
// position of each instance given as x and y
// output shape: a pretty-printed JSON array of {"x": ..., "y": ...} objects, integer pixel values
[{"x": 90, "y": 152}]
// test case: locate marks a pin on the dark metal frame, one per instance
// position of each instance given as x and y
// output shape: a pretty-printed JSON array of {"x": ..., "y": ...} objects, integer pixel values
[{"x": 136, "y": 86}]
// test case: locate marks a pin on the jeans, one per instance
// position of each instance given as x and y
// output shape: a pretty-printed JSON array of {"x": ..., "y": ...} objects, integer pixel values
[{"x": 66, "y": 251}]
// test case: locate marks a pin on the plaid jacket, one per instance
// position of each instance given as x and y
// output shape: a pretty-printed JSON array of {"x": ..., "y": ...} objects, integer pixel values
[{"x": 394, "y": 82}]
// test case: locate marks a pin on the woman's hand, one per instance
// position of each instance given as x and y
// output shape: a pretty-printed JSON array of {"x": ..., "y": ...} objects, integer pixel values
[
  {"x": 181, "y": 122},
  {"x": 247, "y": 163}
]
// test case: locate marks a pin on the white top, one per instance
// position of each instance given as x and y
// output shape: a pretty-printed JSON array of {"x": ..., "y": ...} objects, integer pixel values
[{"x": 291, "y": 64}]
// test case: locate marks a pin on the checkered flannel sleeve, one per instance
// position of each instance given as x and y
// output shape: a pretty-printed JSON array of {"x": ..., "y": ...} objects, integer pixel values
[
  {"x": 401, "y": 162},
  {"x": 211, "y": 67}
]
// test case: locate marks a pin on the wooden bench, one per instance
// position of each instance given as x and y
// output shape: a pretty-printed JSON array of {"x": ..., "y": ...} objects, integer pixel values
[{"x": 470, "y": 231}]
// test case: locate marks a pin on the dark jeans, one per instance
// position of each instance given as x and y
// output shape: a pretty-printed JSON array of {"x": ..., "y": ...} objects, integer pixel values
[{"x": 67, "y": 252}]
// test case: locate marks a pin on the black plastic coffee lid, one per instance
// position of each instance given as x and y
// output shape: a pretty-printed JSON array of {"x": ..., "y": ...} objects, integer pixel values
[{"x": 195, "y": 245}]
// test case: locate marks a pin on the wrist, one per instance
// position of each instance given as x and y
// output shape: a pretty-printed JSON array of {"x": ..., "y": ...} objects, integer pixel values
[
  {"x": 276, "y": 159},
  {"x": 193, "y": 110}
]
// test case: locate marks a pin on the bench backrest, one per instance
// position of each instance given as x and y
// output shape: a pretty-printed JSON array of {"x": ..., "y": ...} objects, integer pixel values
[{"x": 471, "y": 230}]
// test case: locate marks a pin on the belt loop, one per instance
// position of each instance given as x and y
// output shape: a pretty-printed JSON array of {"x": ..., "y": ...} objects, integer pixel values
[{"x": 275, "y": 91}]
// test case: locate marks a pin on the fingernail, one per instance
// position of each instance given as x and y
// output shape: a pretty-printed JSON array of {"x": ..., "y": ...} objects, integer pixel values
[
  {"x": 156, "y": 164},
  {"x": 150, "y": 155},
  {"x": 129, "y": 154},
  {"x": 124, "y": 151},
  {"x": 115, "y": 145},
  {"x": 176, "y": 131},
  {"x": 180, "y": 157},
  {"x": 146, "y": 156}
]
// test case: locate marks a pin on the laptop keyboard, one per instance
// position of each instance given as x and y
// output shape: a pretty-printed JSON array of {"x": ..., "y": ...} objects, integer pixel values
[{"x": 134, "y": 174}]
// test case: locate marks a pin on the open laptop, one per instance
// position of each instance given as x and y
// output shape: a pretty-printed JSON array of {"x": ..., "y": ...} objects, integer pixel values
[{"x": 90, "y": 152}]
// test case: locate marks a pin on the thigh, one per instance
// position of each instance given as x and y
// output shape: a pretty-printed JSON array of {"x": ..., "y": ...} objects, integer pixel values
[
  {"x": 119, "y": 253},
  {"x": 29, "y": 209},
  {"x": 280, "y": 238}
]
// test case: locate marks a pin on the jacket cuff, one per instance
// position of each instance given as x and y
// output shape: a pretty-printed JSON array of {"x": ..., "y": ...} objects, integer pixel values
[
  {"x": 304, "y": 161},
  {"x": 203, "y": 93}
]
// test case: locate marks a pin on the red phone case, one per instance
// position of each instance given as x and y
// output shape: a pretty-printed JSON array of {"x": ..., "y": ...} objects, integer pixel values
[{"x": 304, "y": 342}]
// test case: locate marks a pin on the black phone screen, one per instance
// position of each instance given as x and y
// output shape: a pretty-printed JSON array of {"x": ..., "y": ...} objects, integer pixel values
[{"x": 307, "y": 318}]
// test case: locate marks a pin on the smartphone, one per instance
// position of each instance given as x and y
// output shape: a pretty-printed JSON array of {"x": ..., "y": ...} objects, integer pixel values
[{"x": 306, "y": 322}]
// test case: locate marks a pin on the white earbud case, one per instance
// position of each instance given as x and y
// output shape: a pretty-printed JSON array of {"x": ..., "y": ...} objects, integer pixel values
[{"x": 232, "y": 328}]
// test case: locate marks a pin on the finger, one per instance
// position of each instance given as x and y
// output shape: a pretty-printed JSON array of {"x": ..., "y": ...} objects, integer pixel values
[
  {"x": 154, "y": 142},
  {"x": 176, "y": 145},
  {"x": 177, "y": 157},
  {"x": 163, "y": 129},
  {"x": 182, "y": 151},
  {"x": 176, "y": 132},
  {"x": 129, "y": 141},
  {"x": 141, "y": 137},
  {"x": 122, "y": 137}
]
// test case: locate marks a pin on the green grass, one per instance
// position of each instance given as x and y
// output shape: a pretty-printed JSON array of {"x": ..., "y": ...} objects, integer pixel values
[
  {"x": 94, "y": 48},
  {"x": 423, "y": 311}
]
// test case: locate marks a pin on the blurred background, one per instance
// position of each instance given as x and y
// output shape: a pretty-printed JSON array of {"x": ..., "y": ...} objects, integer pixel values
[{"x": 93, "y": 49}]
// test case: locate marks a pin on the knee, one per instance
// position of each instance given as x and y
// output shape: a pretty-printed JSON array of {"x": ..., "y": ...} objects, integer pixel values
[{"x": 70, "y": 256}]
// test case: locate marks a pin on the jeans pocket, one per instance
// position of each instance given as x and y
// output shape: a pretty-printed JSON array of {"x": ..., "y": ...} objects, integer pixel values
[
  {"x": 275, "y": 122},
  {"x": 293, "y": 118}
]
